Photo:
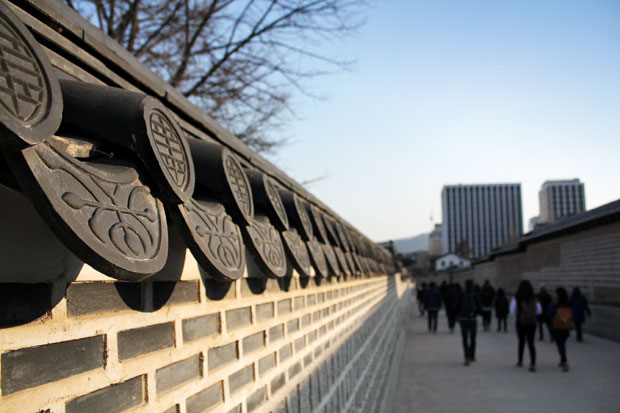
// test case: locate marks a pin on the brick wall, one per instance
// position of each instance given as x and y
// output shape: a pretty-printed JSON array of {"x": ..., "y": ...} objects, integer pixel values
[
  {"x": 289, "y": 345},
  {"x": 73, "y": 340}
]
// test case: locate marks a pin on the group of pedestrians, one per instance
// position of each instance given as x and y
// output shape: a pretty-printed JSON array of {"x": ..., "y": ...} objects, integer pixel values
[{"x": 532, "y": 312}]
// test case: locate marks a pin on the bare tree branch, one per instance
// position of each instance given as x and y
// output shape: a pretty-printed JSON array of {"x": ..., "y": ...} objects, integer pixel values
[{"x": 238, "y": 59}]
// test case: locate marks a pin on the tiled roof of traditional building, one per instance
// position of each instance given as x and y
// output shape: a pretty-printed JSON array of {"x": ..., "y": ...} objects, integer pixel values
[{"x": 112, "y": 157}]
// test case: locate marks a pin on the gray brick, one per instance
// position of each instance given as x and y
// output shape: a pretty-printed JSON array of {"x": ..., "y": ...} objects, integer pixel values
[
  {"x": 217, "y": 291},
  {"x": 194, "y": 328},
  {"x": 238, "y": 318},
  {"x": 305, "y": 401},
  {"x": 264, "y": 311},
  {"x": 306, "y": 320},
  {"x": 33, "y": 366},
  {"x": 205, "y": 399},
  {"x": 298, "y": 303},
  {"x": 315, "y": 388},
  {"x": 277, "y": 383},
  {"x": 294, "y": 370},
  {"x": 323, "y": 381},
  {"x": 266, "y": 363},
  {"x": 272, "y": 286},
  {"x": 236, "y": 409},
  {"x": 292, "y": 326},
  {"x": 284, "y": 306},
  {"x": 99, "y": 297},
  {"x": 256, "y": 399},
  {"x": 132, "y": 343},
  {"x": 293, "y": 402},
  {"x": 241, "y": 378},
  {"x": 316, "y": 316},
  {"x": 178, "y": 373},
  {"x": 276, "y": 333},
  {"x": 285, "y": 352},
  {"x": 281, "y": 407},
  {"x": 253, "y": 342},
  {"x": 23, "y": 303},
  {"x": 311, "y": 299},
  {"x": 179, "y": 292},
  {"x": 219, "y": 356},
  {"x": 300, "y": 343},
  {"x": 115, "y": 398},
  {"x": 318, "y": 351},
  {"x": 252, "y": 286}
]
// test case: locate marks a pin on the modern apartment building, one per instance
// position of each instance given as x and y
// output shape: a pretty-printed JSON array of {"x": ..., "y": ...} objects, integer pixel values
[
  {"x": 479, "y": 218},
  {"x": 559, "y": 199}
]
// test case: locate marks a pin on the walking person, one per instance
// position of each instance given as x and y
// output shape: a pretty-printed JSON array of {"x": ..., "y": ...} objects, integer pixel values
[
  {"x": 469, "y": 307},
  {"x": 561, "y": 314},
  {"x": 420, "y": 297},
  {"x": 450, "y": 301},
  {"x": 579, "y": 306},
  {"x": 487, "y": 295},
  {"x": 544, "y": 298},
  {"x": 432, "y": 302},
  {"x": 525, "y": 306},
  {"x": 501, "y": 310}
]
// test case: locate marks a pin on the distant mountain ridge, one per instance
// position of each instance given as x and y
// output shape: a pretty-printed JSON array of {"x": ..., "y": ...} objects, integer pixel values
[{"x": 411, "y": 244}]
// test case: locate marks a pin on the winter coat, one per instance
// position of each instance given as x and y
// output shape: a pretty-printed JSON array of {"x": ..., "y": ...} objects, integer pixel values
[
  {"x": 432, "y": 300},
  {"x": 579, "y": 306},
  {"x": 501, "y": 306}
]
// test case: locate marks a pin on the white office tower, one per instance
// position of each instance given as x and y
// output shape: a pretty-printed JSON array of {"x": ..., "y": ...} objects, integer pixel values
[
  {"x": 480, "y": 218},
  {"x": 559, "y": 199}
]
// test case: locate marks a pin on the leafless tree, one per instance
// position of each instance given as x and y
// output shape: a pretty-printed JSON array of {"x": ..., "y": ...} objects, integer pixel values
[{"x": 240, "y": 60}]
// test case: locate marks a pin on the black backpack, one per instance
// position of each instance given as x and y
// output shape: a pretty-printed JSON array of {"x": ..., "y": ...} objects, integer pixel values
[{"x": 527, "y": 315}]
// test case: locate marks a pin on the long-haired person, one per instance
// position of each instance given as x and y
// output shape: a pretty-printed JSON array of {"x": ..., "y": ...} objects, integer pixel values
[{"x": 526, "y": 308}]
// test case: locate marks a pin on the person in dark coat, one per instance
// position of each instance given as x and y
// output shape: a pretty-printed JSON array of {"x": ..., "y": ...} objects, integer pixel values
[
  {"x": 487, "y": 295},
  {"x": 501, "y": 310},
  {"x": 432, "y": 303},
  {"x": 450, "y": 300},
  {"x": 544, "y": 298},
  {"x": 560, "y": 334},
  {"x": 469, "y": 307},
  {"x": 420, "y": 297},
  {"x": 579, "y": 306}
]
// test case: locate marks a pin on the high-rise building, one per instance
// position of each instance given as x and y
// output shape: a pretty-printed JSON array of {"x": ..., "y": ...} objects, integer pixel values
[
  {"x": 434, "y": 242},
  {"x": 479, "y": 218},
  {"x": 559, "y": 199}
]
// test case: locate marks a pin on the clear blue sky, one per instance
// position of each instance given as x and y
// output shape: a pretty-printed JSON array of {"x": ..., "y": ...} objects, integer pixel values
[{"x": 448, "y": 92}]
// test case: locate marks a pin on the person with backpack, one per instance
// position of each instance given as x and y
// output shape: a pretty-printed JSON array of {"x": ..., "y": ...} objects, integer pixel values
[
  {"x": 562, "y": 315},
  {"x": 580, "y": 307},
  {"x": 526, "y": 308},
  {"x": 501, "y": 310},
  {"x": 469, "y": 307}
]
